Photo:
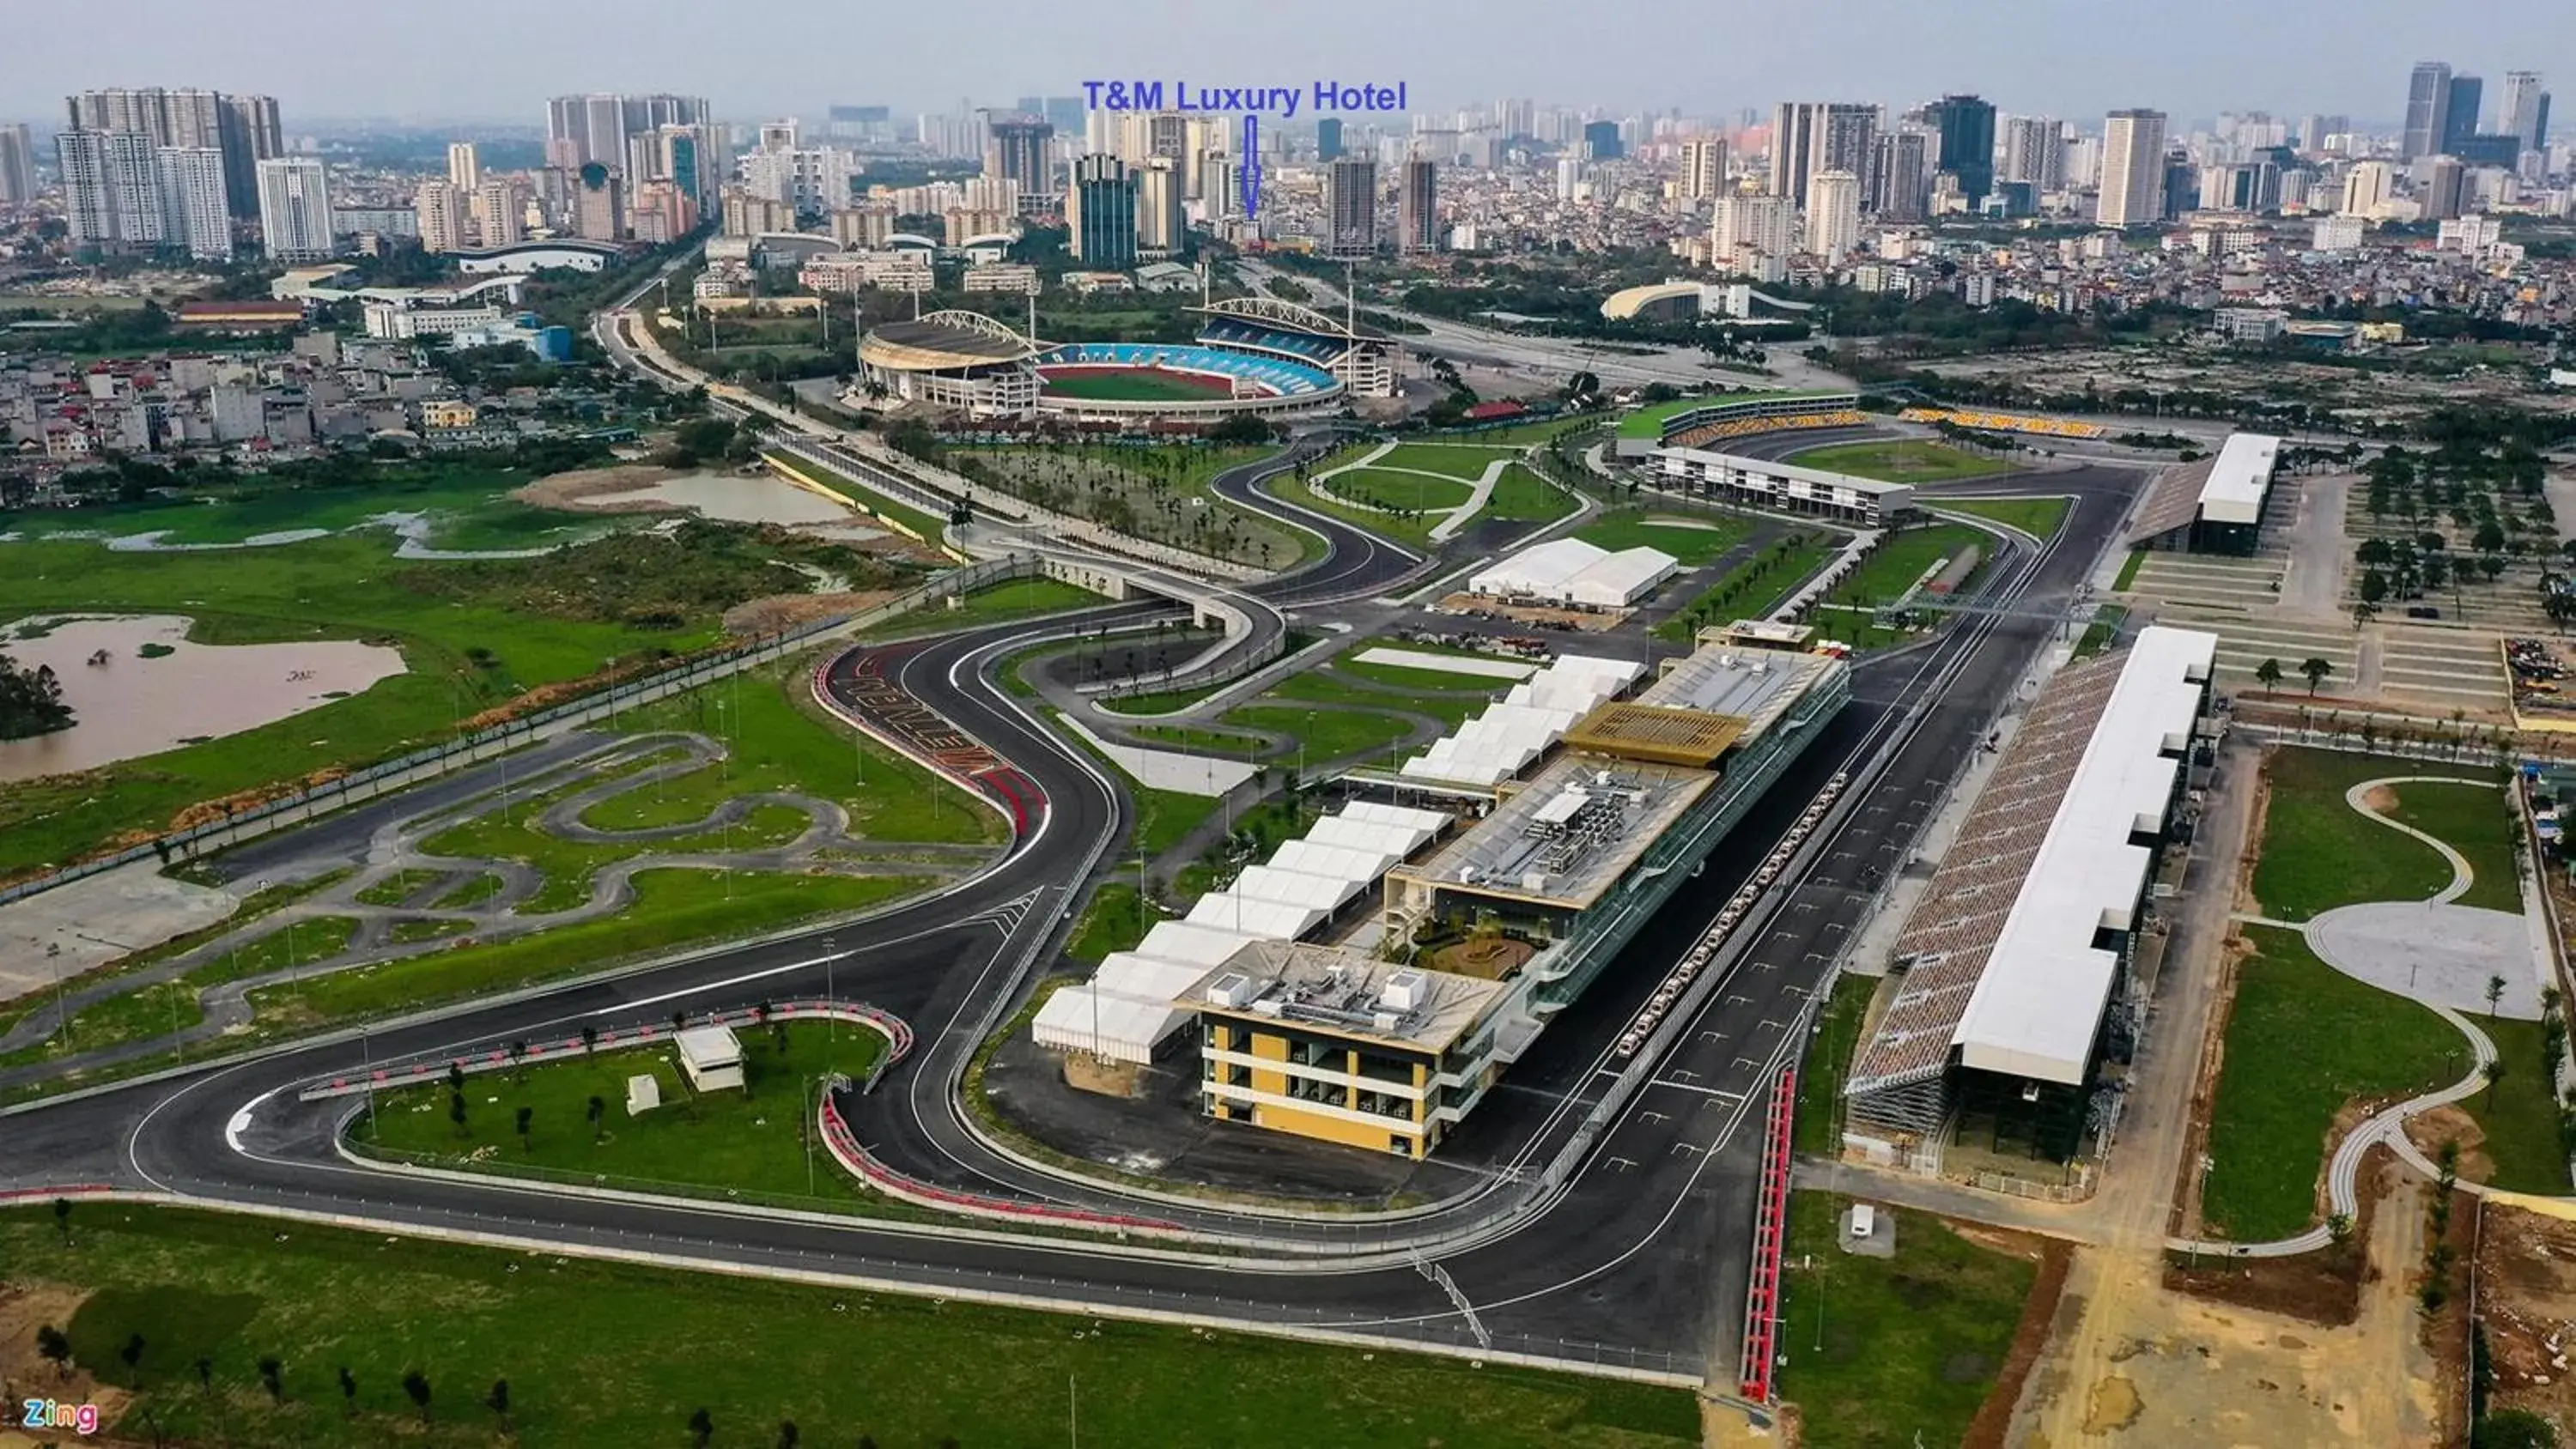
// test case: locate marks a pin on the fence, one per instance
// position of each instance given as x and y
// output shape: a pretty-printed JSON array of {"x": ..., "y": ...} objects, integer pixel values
[
  {"x": 1770, "y": 1244},
  {"x": 502, "y": 1057}
]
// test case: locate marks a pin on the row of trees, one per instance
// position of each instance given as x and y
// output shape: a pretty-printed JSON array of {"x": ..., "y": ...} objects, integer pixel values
[{"x": 31, "y": 701}]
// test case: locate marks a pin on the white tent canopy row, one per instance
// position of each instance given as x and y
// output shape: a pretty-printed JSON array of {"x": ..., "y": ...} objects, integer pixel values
[
  {"x": 1568, "y": 570},
  {"x": 1337, "y": 862},
  {"x": 1502, "y": 740},
  {"x": 1267, "y": 919},
  {"x": 1296, "y": 888},
  {"x": 1348, "y": 832},
  {"x": 1085, "y": 1018}
]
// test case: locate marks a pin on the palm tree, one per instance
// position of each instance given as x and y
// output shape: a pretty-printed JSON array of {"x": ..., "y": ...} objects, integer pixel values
[
  {"x": 2490, "y": 1074},
  {"x": 456, "y": 1111},
  {"x": 63, "y": 1219},
  {"x": 590, "y": 1038},
  {"x": 2268, "y": 674},
  {"x": 2495, "y": 994},
  {"x": 598, "y": 1110},
  {"x": 524, "y": 1114},
  {"x": 2316, "y": 668}
]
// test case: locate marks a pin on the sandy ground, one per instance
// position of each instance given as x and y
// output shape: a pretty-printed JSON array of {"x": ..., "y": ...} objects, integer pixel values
[
  {"x": 2526, "y": 1269},
  {"x": 2180, "y": 1370},
  {"x": 1579, "y": 620},
  {"x": 58, "y": 934},
  {"x": 24, "y": 1307},
  {"x": 581, "y": 489}
]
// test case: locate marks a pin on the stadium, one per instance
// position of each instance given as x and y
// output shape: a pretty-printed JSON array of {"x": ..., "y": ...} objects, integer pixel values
[{"x": 1253, "y": 355}]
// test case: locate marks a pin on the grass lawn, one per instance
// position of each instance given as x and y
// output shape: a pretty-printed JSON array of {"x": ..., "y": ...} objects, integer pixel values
[
  {"x": 1378, "y": 488},
  {"x": 1902, "y": 461},
  {"x": 2475, "y": 820},
  {"x": 612, "y": 1356},
  {"x": 1028, "y": 598},
  {"x": 1465, "y": 462},
  {"x": 1326, "y": 732},
  {"x": 1129, "y": 489},
  {"x": 1693, "y": 542},
  {"x": 1169, "y": 701},
  {"x": 1910, "y": 1345},
  {"x": 1751, "y": 589},
  {"x": 2038, "y": 517},
  {"x": 1521, "y": 496},
  {"x": 343, "y": 587},
  {"x": 1331, "y": 685},
  {"x": 1884, "y": 576},
  {"x": 2515, "y": 1113},
  {"x": 1523, "y": 434},
  {"x": 468, "y": 507},
  {"x": 751, "y": 1140},
  {"x": 1198, "y": 740},
  {"x": 2105, "y": 627},
  {"x": 1414, "y": 533},
  {"x": 1828, "y": 1058},
  {"x": 2319, "y": 853},
  {"x": 673, "y": 909},
  {"x": 912, "y": 520},
  {"x": 172, "y": 1005},
  {"x": 2302, "y": 1040},
  {"x": 1411, "y": 680},
  {"x": 2129, "y": 569},
  {"x": 1115, "y": 920},
  {"x": 1135, "y": 385},
  {"x": 397, "y": 888}
]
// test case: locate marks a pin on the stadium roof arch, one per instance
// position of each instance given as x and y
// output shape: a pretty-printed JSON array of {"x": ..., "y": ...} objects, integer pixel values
[
  {"x": 1002, "y": 239},
  {"x": 945, "y": 340},
  {"x": 1287, "y": 316},
  {"x": 912, "y": 240}
]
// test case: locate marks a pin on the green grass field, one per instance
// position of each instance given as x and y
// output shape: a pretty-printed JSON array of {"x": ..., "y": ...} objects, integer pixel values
[
  {"x": 751, "y": 1140},
  {"x": 1030, "y": 598},
  {"x": 1694, "y": 542},
  {"x": 2319, "y": 853},
  {"x": 1902, "y": 559},
  {"x": 1520, "y": 435},
  {"x": 1910, "y": 1345},
  {"x": 1332, "y": 685},
  {"x": 1522, "y": 496},
  {"x": 1751, "y": 589},
  {"x": 1115, "y": 919},
  {"x": 1465, "y": 462},
  {"x": 1327, "y": 732},
  {"x": 1409, "y": 679},
  {"x": 172, "y": 1005},
  {"x": 1902, "y": 461},
  {"x": 1828, "y": 1057},
  {"x": 1134, "y": 385},
  {"x": 612, "y": 1356},
  {"x": 913, "y": 521},
  {"x": 2038, "y": 517},
  {"x": 1414, "y": 533},
  {"x": 2129, "y": 569},
  {"x": 1380, "y": 489},
  {"x": 468, "y": 508},
  {"x": 2302, "y": 1040},
  {"x": 2515, "y": 1113},
  {"x": 343, "y": 587},
  {"x": 1161, "y": 492}
]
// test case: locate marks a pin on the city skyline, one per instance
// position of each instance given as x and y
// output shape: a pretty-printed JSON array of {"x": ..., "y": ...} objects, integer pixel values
[{"x": 2039, "y": 56}]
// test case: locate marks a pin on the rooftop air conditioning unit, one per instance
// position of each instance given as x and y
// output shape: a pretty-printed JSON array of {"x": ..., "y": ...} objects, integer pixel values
[
  {"x": 1231, "y": 991},
  {"x": 1404, "y": 991}
]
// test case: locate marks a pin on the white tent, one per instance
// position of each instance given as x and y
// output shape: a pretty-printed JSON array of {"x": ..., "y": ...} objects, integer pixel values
[
  {"x": 1378, "y": 812},
  {"x": 1270, "y": 920},
  {"x": 1198, "y": 945},
  {"x": 1340, "y": 862},
  {"x": 1296, "y": 888},
  {"x": 1352, "y": 833},
  {"x": 1568, "y": 570},
  {"x": 1121, "y": 1028}
]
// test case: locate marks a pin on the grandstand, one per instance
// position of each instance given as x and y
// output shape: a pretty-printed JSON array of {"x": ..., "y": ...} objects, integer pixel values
[
  {"x": 1362, "y": 360},
  {"x": 2214, "y": 505},
  {"x": 953, "y": 359},
  {"x": 1094, "y": 379},
  {"x": 1697, "y": 421},
  {"x": 2004, "y": 422},
  {"x": 2012, "y": 1006}
]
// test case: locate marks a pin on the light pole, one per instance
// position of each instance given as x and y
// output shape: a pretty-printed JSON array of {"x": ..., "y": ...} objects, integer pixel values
[{"x": 831, "y": 1018}]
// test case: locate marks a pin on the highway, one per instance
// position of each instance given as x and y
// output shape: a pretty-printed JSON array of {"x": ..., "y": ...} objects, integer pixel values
[{"x": 1629, "y": 1255}]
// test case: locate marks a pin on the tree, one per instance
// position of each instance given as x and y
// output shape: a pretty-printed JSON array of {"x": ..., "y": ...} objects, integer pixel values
[
  {"x": 524, "y": 1115},
  {"x": 2316, "y": 668},
  {"x": 2490, "y": 1074},
  {"x": 456, "y": 1111},
  {"x": 702, "y": 1427},
  {"x": 598, "y": 1110},
  {"x": 498, "y": 1401},
  {"x": 2268, "y": 674},
  {"x": 2338, "y": 1228},
  {"x": 518, "y": 1050},
  {"x": 456, "y": 1076},
  {"x": 590, "y": 1038},
  {"x": 416, "y": 1388},
  {"x": 787, "y": 1435},
  {"x": 132, "y": 1353},
  {"x": 63, "y": 1219},
  {"x": 2513, "y": 1429},
  {"x": 2495, "y": 994},
  {"x": 205, "y": 1373},
  {"x": 272, "y": 1377},
  {"x": 348, "y": 1392},
  {"x": 55, "y": 1347}
]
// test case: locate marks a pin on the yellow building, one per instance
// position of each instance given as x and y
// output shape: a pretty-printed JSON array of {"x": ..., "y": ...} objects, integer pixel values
[
  {"x": 1335, "y": 1044},
  {"x": 447, "y": 413}
]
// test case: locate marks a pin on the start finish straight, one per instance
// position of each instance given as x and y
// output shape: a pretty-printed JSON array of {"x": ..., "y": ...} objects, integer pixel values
[{"x": 1283, "y": 101}]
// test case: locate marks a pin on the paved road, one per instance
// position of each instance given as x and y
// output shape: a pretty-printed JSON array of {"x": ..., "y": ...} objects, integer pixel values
[{"x": 1625, "y": 1258}]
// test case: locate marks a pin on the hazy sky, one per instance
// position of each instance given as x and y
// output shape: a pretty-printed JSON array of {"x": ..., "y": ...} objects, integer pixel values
[{"x": 499, "y": 59}]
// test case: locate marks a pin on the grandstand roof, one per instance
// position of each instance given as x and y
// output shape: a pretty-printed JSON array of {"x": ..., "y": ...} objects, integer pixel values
[
  {"x": 1648, "y": 422},
  {"x": 1628, "y": 302},
  {"x": 1286, "y": 316},
  {"x": 944, "y": 340}
]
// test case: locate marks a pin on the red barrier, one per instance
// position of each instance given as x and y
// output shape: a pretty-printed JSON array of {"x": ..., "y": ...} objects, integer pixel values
[
  {"x": 845, "y": 1149},
  {"x": 1770, "y": 1241}
]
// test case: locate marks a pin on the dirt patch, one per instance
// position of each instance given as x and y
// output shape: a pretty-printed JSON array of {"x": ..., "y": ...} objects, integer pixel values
[
  {"x": 26, "y": 1307},
  {"x": 2323, "y": 1288},
  {"x": 2429, "y": 1130},
  {"x": 2446, "y": 1334},
  {"x": 1488, "y": 958},
  {"x": 2030, "y": 1338},
  {"x": 2185, "y": 1218},
  {"x": 2380, "y": 800},
  {"x": 2526, "y": 1276},
  {"x": 780, "y": 612},
  {"x": 582, "y": 488}
]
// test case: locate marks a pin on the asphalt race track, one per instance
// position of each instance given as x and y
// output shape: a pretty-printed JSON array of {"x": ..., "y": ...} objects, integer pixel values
[{"x": 1633, "y": 1260}]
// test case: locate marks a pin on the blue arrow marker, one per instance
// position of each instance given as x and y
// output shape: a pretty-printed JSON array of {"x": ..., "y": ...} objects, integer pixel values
[{"x": 1251, "y": 166}]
